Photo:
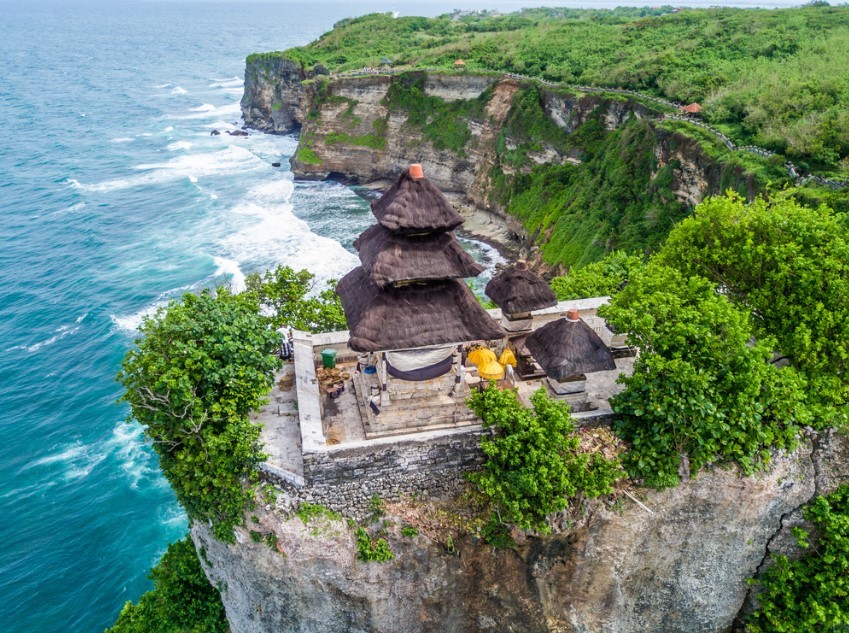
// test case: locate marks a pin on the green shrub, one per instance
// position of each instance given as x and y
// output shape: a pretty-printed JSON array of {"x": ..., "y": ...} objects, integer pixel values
[
  {"x": 409, "y": 531},
  {"x": 308, "y": 511},
  {"x": 532, "y": 463},
  {"x": 812, "y": 593},
  {"x": 372, "y": 550},
  {"x": 181, "y": 601},
  {"x": 598, "y": 279},
  {"x": 701, "y": 390}
]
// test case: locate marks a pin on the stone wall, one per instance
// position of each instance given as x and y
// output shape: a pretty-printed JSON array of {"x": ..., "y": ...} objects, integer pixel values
[{"x": 345, "y": 478}]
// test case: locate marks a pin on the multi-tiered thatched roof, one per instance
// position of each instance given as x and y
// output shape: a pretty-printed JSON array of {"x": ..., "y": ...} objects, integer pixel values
[
  {"x": 516, "y": 290},
  {"x": 407, "y": 294},
  {"x": 411, "y": 316},
  {"x": 569, "y": 347},
  {"x": 389, "y": 258}
]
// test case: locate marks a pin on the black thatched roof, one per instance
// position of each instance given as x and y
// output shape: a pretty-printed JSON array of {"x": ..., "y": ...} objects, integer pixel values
[
  {"x": 516, "y": 289},
  {"x": 417, "y": 315},
  {"x": 389, "y": 258},
  {"x": 566, "y": 348},
  {"x": 415, "y": 206}
]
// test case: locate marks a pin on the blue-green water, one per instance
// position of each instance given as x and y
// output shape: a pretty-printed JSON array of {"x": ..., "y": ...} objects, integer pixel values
[{"x": 114, "y": 198}]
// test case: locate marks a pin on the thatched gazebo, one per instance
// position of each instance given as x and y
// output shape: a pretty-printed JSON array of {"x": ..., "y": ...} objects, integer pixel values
[
  {"x": 568, "y": 349},
  {"x": 518, "y": 291},
  {"x": 407, "y": 300}
]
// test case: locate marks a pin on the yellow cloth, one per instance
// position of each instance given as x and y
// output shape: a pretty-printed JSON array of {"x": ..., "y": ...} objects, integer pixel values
[
  {"x": 481, "y": 356},
  {"x": 507, "y": 357},
  {"x": 491, "y": 370}
]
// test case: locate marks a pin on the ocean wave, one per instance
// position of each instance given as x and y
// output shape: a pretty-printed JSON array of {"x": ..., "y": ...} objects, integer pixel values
[
  {"x": 59, "y": 333},
  {"x": 179, "y": 91},
  {"x": 232, "y": 159},
  {"x": 206, "y": 107},
  {"x": 78, "y": 459},
  {"x": 123, "y": 139},
  {"x": 130, "y": 323},
  {"x": 160, "y": 86},
  {"x": 169, "y": 128},
  {"x": 219, "y": 112},
  {"x": 74, "y": 208},
  {"x": 173, "y": 147},
  {"x": 230, "y": 82},
  {"x": 231, "y": 269}
]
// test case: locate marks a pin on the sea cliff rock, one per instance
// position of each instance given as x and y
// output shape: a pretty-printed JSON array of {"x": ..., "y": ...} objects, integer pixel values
[
  {"x": 681, "y": 567},
  {"x": 273, "y": 94}
]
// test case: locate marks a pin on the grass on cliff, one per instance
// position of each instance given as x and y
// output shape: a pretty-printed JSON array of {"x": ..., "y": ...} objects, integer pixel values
[{"x": 776, "y": 77}]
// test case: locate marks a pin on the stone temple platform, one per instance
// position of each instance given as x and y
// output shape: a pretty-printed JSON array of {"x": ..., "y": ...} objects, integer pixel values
[{"x": 303, "y": 424}]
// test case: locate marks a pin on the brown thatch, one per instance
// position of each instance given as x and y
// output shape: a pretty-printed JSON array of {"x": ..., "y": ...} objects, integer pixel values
[
  {"x": 417, "y": 315},
  {"x": 415, "y": 206},
  {"x": 389, "y": 258},
  {"x": 569, "y": 348},
  {"x": 516, "y": 289}
]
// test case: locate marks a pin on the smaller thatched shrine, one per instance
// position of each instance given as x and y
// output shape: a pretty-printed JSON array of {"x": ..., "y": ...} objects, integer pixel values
[
  {"x": 568, "y": 349},
  {"x": 518, "y": 291}
]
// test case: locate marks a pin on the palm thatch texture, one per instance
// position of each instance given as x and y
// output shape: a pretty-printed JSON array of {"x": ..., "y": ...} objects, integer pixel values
[
  {"x": 416, "y": 315},
  {"x": 390, "y": 258},
  {"x": 415, "y": 205},
  {"x": 569, "y": 347},
  {"x": 516, "y": 290}
]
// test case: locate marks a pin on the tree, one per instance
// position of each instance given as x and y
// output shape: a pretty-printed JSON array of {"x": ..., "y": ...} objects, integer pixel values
[
  {"x": 598, "y": 279},
  {"x": 812, "y": 593},
  {"x": 702, "y": 391},
  {"x": 788, "y": 266},
  {"x": 289, "y": 296},
  {"x": 533, "y": 466},
  {"x": 202, "y": 365},
  {"x": 181, "y": 601}
]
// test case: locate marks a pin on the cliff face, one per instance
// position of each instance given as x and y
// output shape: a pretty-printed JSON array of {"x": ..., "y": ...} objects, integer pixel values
[
  {"x": 682, "y": 567},
  {"x": 273, "y": 94}
]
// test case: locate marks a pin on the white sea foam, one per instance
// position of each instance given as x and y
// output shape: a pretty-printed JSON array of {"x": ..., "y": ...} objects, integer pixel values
[
  {"x": 179, "y": 91},
  {"x": 58, "y": 334},
  {"x": 123, "y": 139},
  {"x": 206, "y": 107},
  {"x": 130, "y": 322},
  {"x": 231, "y": 269},
  {"x": 232, "y": 159},
  {"x": 178, "y": 145},
  {"x": 221, "y": 112},
  {"x": 74, "y": 208},
  {"x": 170, "y": 128},
  {"x": 78, "y": 459},
  {"x": 160, "y": 86},
  {"x": 230, "y": 82}
]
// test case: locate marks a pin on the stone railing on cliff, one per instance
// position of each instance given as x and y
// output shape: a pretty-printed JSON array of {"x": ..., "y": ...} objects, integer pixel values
[{"x": 793, "y": 172}]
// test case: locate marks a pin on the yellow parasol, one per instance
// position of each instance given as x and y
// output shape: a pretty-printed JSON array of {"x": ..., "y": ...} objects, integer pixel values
[
  {"x": 481, "y": 356},
  {"x": 491, "y": 370},
  {"x": 507, "y": 357}
]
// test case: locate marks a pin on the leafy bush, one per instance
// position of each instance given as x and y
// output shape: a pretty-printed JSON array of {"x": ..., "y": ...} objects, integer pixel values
[
  {"x": 812, "y": 593},
  {"x": 203, "y": 364},
  {"x": 290, "y": 296},
  {"x": 308, "y": 511},
  {"x": 372, "y": 550},
  {"x": 701, "y": 390},
  {"x": 533, "y": 466},
  {"x": 598, "y": 279},
  {"x": 788, "y": 266},
  {"x": 182, "y": 600},
  {"x": 409, "y": 531}
]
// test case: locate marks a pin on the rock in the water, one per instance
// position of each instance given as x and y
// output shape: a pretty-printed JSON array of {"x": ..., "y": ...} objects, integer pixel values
[
  {"x": 214, "y": 133},
  {"x": 237, "y": 133},
  {"x": 275, "y": 164}
]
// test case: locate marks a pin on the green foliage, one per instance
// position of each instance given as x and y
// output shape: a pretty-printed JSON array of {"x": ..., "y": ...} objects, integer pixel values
[
  {"x": 598, "y": 279},
  {"x": 289, "y": 295},
  {"x": 202, "y": 365},
  {"x": 372, "y": 550},
  {"x": 182, "y": 600},
  {"x": 308, "y": 511},
  {"x": 364, "y": 140},
  {"x": 443, "y": 123},
  {"x": 787, "y": 265},
  {"x": 701, "y": 389},
  {"x": 307, "y": 155},
  {"x": 774, "y": 77},
  {"x": 533, "y": 466},
  {"x": 409, "y": 531},
  {"x": 615, "y": 199},
  {"x": 812, "y": 593}
]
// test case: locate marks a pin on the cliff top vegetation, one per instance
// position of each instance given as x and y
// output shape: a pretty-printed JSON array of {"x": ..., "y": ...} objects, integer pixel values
[{"x": 776, "y": 78}]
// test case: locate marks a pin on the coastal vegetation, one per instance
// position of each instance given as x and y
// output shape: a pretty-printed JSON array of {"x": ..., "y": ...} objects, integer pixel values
[
  {"x": 769, "y": 77},
  {"x": 533, "y": 464}
]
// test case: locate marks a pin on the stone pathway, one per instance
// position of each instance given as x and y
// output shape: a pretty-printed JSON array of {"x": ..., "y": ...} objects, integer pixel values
[{"x": 281, "y": 433}]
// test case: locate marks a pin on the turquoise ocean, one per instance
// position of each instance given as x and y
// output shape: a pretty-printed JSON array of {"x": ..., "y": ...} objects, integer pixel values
[{"x": 114, "y": 199}]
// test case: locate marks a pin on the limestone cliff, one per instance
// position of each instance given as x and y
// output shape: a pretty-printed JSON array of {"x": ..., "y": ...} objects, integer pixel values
[{"x": 681, "y": 567}]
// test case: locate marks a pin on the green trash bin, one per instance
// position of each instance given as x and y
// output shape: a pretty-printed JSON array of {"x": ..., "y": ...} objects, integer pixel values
[{"x": 328, "y": 358}]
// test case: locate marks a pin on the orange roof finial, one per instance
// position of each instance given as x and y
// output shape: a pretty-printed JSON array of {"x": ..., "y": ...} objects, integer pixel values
[
  {"x": 572, "y": 315},
  {"x": 416, "y": 171}
]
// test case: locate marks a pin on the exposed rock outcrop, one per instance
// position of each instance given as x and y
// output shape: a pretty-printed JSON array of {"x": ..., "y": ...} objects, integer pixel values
[
  {"x": 681, "y": 568},
  {"x": 273, "y": 94}
]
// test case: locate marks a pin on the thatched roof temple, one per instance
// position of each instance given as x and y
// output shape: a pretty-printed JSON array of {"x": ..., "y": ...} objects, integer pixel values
[
  {"x": 516, "y": 290},
  {"x": 407, "y": 293},
  {"x": 569, "y": 347}
]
